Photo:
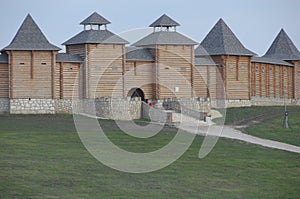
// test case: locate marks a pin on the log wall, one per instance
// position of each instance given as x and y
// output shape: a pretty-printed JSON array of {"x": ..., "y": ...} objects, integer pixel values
[
  {"x": 205, "y": 81},
  {"x": 140, "y": 74},
  {"x": 297, "y": 79},
  {"x": 175, "y": 71},
  {"x": 104, "y": 70},
  {"x": 31, "y": 74},
  {"x": 233, "y": 77},
  {"x": 270, "y": 80},
  {"x": 4, "y": 81}
]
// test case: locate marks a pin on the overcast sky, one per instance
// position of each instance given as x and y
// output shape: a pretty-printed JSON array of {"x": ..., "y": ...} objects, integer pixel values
[{"x": 254, "y": 22}]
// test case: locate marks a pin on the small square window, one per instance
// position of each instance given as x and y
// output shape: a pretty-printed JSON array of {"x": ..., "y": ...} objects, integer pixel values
[{"x": 176, "y": 89}]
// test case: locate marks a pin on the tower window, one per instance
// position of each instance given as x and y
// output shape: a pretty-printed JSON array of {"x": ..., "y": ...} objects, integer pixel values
[
  {"x": 44, "y": 63},
  {"x": 22, "y": 63}
]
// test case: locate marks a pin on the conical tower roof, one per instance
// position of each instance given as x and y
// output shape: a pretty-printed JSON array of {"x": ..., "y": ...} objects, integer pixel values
[
  {"x": 30, "y": 37},
  {"x": 283, "y": 48},
  {"x": 95, "y": 19},
  {"x": 164, "y": 21},
  {"x": 222, "y": 41}
]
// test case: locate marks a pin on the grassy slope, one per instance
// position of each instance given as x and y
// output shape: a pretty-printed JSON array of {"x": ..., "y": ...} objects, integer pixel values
[{"x": 42, "y": 157}]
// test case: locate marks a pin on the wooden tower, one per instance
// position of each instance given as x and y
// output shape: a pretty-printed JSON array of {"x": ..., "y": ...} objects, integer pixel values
[
  {"x": 174, "y": 59},
  {"x": 104, "y": 58},
  {"x": 31, "y": 63},
  {"x": 232, "y": 59}
]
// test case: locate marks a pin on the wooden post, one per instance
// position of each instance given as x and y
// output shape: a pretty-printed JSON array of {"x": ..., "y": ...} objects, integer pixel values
[
  {"x": 249, "y": 77},
  {"x": 267, "y": 80},
  {"x": 61, "y": 82},
  {"x": 224, "y": 61},
  {"x": 123, "y": 70},
  {"x": 87, "y": 51},
  {"x": 260, "y": 80},
  {"x": 237, "y": 68},
  {"x": 157, "y": 92},
  {"x": 52, "y": 74},
  {"x": 274, "y": 80},
  {"x": 11, "y": 76},
  {"x": 192, "y": 71},
  {"x": 32, "y": 65}
]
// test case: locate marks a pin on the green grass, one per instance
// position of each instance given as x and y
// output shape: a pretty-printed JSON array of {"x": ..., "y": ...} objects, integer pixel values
[
  {"x": 274, "y": 129},
  {"x": 42, "y": 157},
  {"x": 243, "y": 114}
]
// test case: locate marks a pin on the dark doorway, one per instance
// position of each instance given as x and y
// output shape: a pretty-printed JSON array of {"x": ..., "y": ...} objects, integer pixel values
[{"x": 136, "y": 92}]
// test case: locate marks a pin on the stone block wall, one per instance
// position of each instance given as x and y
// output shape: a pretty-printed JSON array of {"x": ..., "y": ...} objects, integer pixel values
[
  {"x": 196, "y": 104},
  {"x": 4, "y": 105},
  {"x": 63, "y": 106},
  {"x": 111, "y": 108},
  {"x": 32, "y": 106}
]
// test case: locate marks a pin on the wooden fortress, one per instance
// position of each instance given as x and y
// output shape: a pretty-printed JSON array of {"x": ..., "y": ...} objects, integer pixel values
[{"x": 163, "y": 65}]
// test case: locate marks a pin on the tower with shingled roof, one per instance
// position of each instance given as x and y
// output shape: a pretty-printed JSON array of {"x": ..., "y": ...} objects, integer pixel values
[
  {"x": 32, "y": 61},
  {"x": 174, "y": 57},
  {"x": 104, "y": 58},
  {"x": 284, "y": 49},
  {"x": 233, "y": 61}
]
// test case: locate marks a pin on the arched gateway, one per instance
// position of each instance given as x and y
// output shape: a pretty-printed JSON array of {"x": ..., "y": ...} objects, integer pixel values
[{"x": 136, "y": 92}]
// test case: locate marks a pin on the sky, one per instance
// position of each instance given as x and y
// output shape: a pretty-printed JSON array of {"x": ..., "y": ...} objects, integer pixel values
[{"x": 255, "y": 22}]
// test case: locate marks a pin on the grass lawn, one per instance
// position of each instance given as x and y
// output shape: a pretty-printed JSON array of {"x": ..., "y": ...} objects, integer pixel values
[
  {"x": 42, "y": 157},
  {"x": 274, "y": 130},
  {"x": 269, "y": 122}
]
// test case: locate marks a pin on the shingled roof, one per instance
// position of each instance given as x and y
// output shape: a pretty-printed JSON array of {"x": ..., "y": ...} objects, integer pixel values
[
  {"x": 3, "y": 58},
  {"x": 69, "y": 58},
  {"x": 95, "y": 37},
  {"x": 222, "y": 41},
  {"x": 283, "y": 48},
  {"x": 139, "y": 54},
  {"x": 30, "y": 37},
  {"x": 165, "y": 38},
  {"x": 95, "y": 19},
  {"x": 200, "y": 51},
  {"x": 270, "y": 61},
  {"x": 164, "y": 21}
]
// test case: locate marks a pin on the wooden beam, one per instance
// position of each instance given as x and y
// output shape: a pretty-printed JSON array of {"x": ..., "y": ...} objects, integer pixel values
[
  {"x": 123, "y": 70},
  {"x": 61, "y": 83},
  {"x": 32, "y": 65},
  {"x": 192, "y": 71},
  {"x": 274, "y": 80},
  {"x": 52, "y": 74},
  {"x": 260, "y": 79},
  {"x": 237, "y": 68},
  {"x": 11, "y": 75}
]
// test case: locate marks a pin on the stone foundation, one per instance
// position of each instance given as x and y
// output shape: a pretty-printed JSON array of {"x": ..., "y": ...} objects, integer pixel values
[
  {"x": 270, "y": 101},
  {"x": 176, "y": 104},
  {"x": 32, "y": 106},
  {"x": 63, "y": 106},
  {"x": 4, "y": 105},
  {"x": 111, "y": 108}
]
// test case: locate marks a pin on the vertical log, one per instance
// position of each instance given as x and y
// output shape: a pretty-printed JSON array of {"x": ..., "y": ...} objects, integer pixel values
[
  {"x": 61, "y": 82},
  {"x": 32, "y": 65},
  {"x": 11, "y": 75}
]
